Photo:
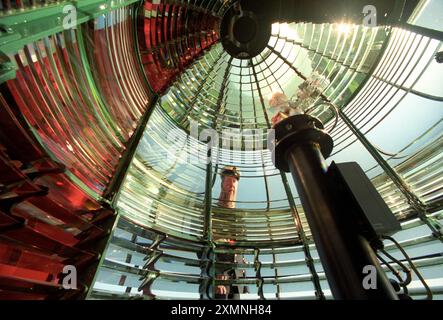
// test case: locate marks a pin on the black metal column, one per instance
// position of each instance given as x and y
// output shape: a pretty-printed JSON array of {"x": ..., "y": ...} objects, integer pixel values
[{"x": 300, "y": 147}]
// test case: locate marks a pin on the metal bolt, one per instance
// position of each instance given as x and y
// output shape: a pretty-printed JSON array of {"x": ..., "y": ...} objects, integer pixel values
[
  {"x": 6, "y": 66},
  {"x": 6, "y": 29}
]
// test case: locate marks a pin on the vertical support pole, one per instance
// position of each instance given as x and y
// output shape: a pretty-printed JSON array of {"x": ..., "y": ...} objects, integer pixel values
[
  {"x": 206, "y": 286},
  {"x": 207, "y": 232},
  {"x": 102, "y": 247},
  {"x": 300, "y": 147},
  {"x": 344, "y": 252},
  {"x": 127, "y": 157},
  {"x": 308, "y": 257}
]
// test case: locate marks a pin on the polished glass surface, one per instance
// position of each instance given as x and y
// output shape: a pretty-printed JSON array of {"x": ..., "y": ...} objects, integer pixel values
[{"x": 80, "y": 96}]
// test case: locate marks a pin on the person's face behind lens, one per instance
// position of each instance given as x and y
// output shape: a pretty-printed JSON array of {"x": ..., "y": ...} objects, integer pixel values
[{"x": 230, "y": 184}]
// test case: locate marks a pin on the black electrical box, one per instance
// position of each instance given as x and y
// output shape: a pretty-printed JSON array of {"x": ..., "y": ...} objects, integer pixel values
[{"x": 355, "y": 188}]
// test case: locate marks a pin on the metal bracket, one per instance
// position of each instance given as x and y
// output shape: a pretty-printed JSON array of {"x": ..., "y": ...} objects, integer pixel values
[{"x": 8, "y": 71}]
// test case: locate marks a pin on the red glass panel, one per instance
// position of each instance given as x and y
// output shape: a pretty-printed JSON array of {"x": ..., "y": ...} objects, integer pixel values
[{"x": 174, "y": 36}]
